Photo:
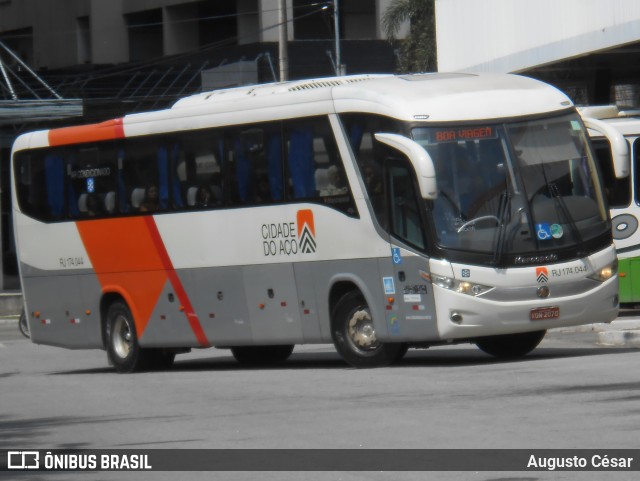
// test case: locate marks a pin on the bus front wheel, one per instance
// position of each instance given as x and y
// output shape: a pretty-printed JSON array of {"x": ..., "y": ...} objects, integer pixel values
[
  {"x": 355, "y": 338},
  {"x": 511, "y": 345},
  {"x": 123, "y": 349}
]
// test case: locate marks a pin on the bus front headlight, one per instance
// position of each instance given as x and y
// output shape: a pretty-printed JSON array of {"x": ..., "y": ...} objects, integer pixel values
[
  {"x": 606, "y": 272},
  {"x": 462, "y": 287}
]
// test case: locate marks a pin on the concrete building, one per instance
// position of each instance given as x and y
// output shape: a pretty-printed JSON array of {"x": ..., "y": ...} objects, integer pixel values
[
  {"x": 98, "y": 32},
  {"x": 589, "y": 48}
]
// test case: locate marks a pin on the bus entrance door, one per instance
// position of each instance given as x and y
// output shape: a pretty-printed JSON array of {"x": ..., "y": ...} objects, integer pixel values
[{"x": 412, "y": 313}]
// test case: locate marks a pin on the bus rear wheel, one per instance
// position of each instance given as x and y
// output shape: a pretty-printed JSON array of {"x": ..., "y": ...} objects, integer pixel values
[
  {"x": 511, "y": 346},
  {"x": 355, "y": 338},
  {"x": 255, "y": 355},
  {"x": 123, "y": 349}
]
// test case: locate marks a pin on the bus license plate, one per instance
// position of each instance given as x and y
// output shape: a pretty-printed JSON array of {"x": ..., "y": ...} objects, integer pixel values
[{"x": 543, "y": 313}]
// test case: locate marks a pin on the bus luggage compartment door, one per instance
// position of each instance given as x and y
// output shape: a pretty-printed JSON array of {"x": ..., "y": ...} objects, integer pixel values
[{"x": 273, "y": 304}]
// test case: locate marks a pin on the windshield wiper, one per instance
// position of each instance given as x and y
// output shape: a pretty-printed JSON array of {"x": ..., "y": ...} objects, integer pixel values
[
  {"x": 560, "y": 202},
  {"x": 504, "y": 206}
]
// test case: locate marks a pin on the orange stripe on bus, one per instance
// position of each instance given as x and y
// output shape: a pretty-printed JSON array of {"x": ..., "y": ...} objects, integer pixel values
[
  {"x": 183, "y": 297},
  {"x": 108, "y": 130},
  {"x": 130, "y": 258},
  {"x": 126, "y": 261}
]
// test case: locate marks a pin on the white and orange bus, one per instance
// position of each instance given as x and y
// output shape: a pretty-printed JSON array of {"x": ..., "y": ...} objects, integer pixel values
[{"x": 376, "y": 212}]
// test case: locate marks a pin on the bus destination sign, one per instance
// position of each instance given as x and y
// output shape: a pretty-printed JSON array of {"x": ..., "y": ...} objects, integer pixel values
[{"x": 463, "y": 134}]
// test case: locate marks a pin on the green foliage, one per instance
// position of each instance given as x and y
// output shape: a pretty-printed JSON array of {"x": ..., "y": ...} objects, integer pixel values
[{"x": 417, "y": 52}]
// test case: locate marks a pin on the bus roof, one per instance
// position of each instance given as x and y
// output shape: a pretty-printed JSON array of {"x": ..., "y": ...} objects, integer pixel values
[{"x": 436, "y": 97}]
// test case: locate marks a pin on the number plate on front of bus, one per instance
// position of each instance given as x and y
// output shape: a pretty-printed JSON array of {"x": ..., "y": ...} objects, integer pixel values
[{"x": 544, "y": 313}]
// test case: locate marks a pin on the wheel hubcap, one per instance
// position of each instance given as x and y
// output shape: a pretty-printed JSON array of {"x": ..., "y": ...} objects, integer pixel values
[
  {"x": 122, "y": 337},
  {"x": 361, "y": 332}
]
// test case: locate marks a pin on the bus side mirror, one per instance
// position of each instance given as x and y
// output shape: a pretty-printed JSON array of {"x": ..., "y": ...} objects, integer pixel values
[
  {"x": 419, "y": 158},
  {"x": 619, "y": 145}
]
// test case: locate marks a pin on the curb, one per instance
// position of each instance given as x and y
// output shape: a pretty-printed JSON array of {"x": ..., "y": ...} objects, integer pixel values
[
  {"x": 10, "y": 304},
  {"x": 623, "y": 332},
  {"x": 630, "y": 338}
]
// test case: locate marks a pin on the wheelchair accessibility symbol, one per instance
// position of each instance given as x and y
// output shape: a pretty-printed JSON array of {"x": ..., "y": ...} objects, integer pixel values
[
  {"x": 543, "y": 231},
  {"x": 546, "y": 231},
  {"x": 395, "y": 254}
]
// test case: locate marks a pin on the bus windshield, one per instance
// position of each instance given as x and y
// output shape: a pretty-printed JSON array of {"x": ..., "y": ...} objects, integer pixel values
[{"x": 515, "y": 188}]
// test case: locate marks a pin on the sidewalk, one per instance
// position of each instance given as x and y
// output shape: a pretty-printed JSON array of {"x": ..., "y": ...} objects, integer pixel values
[
  {"x": 9, "y": 320},
  {"x": 623, "y": 332},
  {"x": 9, "y": 330}
]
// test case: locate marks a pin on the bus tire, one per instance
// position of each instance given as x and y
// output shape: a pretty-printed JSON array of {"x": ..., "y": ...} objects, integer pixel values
[
  {"x": 511, "y": 346},
  {"x": 354, "y": 336},
  {"x": 125, "y": 354},
  {"x": 256, "y": 355},
  {"x": 23, "y": 325}
]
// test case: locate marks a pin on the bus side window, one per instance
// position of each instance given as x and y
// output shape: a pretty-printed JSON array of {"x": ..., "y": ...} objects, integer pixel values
[
  {"x": 370, "y": 155},
  {"x": 91, "y": 180},
  {"x": 635, "y": 160},
  {"x": 141, "y": 176},
  {"x": 315, "y": 171},
  {"x": 122, "y": 205},
  {"x": 618, "y": 191},
  {"x": 169, "y": 192},
  {"x": 254, "y": 172},
  {"x": 175, "y": 191},
  {"x": 301, "y": 163},
  {"x": 273, "y": 180},
  {"x": 265, "y": 157},
  {"x": 243, "y": 153},
  {"x": 54, "y": 185},
  {"x": 31, "y": 188},
  {"x": 405, "y": 213},
  {"x": 198, "y": 167}
]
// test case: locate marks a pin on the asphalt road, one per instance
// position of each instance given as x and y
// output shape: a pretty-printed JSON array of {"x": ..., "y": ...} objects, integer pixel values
[{"x": 570, "y": 393}]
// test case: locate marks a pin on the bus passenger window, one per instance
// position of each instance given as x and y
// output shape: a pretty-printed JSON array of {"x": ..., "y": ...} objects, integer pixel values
[
  {"x": 199, "y": 165},
  {"x": 203, "y": 198},
  {"x": 54, "y": 175},
  {"x": 31, "y": 186},
  {"x": 151, "y": 199},
  {"x": 90, "y": 205},
  {"x": 315, "y": 172},
  {"x": 255, "y": 171},
  {"x": 91, "y": 175},
  {"x": 301, "y": 163},
  {"x": 334, "y": 184}
]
